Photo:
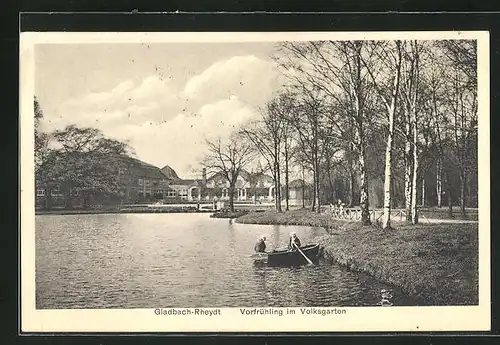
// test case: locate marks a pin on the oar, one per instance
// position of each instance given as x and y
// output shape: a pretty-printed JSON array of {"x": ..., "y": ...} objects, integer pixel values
[{"x": 301, "y": 252}]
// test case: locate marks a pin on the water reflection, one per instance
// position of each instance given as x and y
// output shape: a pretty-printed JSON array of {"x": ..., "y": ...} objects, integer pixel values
[{"x": 181, "y": 260}]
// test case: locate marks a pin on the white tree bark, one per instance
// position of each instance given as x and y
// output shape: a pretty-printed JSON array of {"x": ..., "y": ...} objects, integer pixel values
[
  {"x": 423, "y": 192},
  {"x": 414, "y": 214},
  {"x": 439, "y": 183},
  {"x": 408, "y": 172},
  {"x": 386, "y": 219}
]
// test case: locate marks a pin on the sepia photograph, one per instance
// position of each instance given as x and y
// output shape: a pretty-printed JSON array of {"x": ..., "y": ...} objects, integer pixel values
[{"x": 278, "y": 176}]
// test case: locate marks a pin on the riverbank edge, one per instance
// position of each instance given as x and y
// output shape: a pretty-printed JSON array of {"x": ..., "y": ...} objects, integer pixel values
[
  {"x": 76, "y": 212},
  {"x": 436, "y": 279}
]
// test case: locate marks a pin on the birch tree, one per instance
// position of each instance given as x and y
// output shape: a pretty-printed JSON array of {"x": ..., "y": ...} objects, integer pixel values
[
  {"x": 336, "y": 69},
  {"x": 386, "y": 79},
  {"x": 410, "y": 88}
]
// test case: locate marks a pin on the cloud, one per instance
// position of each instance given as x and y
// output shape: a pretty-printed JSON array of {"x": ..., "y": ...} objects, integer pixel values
[
  {"x": 153, "y": 99},
  {"x": 248, "y": 77},
  {"x": 180, "y": 142},
  {"x": 169, "y": 125}
]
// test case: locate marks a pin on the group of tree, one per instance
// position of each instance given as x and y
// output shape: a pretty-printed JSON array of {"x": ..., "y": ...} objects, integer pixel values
[
  {"x": 77, "y": 161},
  {"x": 360, "y": 110}
]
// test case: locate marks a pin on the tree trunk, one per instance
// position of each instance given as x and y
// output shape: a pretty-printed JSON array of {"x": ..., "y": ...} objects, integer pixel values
[
  {"x": 318, "y": 202},
  {"x": 331, "y": 190},
  {"x": 277, "y": 193},
  {"x": 313, "y": 207},
  {"x": 277, "y": 181},
  {"x": 450, "y": 199},
  {"x": 439, "y": 183},
  {"x": 462, "y": 193},
  {"x": 363, "y": 200},
  {"x": 316, "y": 166},
  {"x": 303, "y": 189},
  {"x": 351, "y": 189},
  {"x": 351, "y": 177},
  {"x": 423, "y": 192},
  {"x": 414, "y": 212},
  {"x": 408, "y": 179},
  {"x": 287, "y": 190},
  {"x": 468, "y": 191},
  {"x": 48, "y": 198},
  {"x": 231, "y": 198},
  {"x": 386, "y": 219}
]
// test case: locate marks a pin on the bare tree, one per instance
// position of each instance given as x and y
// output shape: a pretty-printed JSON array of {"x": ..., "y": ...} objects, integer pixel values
[
  {"x": 271, "y": 138},
  {"x": 453, "y": 89},
  {"x": 419, "y": 97},
  {"x": 463, "y": 55},
  {"x": 228, "y": 159},
  {"x": 410, "y": 89},
  {"x": 335, "y": 68},
  {"x": 287, "y": 156},
  {"x": 389, "y": 57},
  {"x": 313, "y": 134}
]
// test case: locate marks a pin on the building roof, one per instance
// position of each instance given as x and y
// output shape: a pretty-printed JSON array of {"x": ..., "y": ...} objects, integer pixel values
[
  {"x": 142, "y": 169},
  {"x": 188, "y": 182},
  {"x": 252, "y": 178},
  {"x": 169, "y": 173},
  {"x": 260, "y": 177}
]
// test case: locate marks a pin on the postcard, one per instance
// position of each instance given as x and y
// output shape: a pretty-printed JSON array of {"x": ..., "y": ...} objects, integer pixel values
[{"x": 255, "y": 182}]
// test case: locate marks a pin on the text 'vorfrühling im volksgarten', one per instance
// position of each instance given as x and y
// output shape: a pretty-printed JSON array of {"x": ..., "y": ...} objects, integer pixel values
[{"x": 292, "y": 311}]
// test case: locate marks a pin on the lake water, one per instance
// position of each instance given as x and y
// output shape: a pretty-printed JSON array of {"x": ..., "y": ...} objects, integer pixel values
[{"x": 182, "y": 260}]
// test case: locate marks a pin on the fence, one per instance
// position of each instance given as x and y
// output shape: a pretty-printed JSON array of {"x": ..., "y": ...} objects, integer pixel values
[{"x": 375, "y": 215}]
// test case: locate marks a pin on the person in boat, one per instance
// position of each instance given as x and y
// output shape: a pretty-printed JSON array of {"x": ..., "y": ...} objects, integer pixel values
[
  {"x": 260, "y": 246},
  {"x": 294, "y": 241}
]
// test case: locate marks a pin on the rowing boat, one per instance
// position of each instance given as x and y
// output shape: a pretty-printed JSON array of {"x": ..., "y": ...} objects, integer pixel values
[{"x": 285, "y": 257}]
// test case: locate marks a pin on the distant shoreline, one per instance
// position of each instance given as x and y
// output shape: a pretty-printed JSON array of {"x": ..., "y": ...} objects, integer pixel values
[{"x": 126, "y": 211}]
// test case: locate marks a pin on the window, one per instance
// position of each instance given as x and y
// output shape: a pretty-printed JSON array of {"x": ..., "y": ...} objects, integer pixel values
[
  {"x": 147, "y": 182},
  {"x": 40, "y": 192},
  {"x": 140, "y": 182},
  {"x": 171, "y": 193},
  {"x": 55, "y": 192}
]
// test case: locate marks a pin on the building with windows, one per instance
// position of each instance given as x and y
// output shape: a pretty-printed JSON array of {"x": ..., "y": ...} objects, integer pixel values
[{"x": 141, "y": 182}]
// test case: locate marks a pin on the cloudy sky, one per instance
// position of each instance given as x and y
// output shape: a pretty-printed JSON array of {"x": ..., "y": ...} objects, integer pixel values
[{"x": 163, "y": 98}]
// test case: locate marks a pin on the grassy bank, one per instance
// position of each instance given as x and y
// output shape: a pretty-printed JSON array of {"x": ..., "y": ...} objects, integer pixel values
[
  {"x": 228, "y": 214},
  {"x": 435, "y": 262},
  {"x": 296, "y": 217}
]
